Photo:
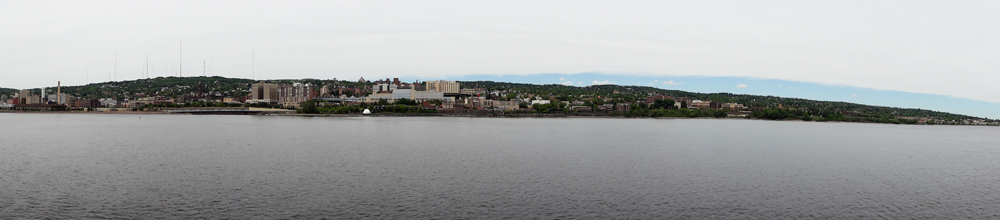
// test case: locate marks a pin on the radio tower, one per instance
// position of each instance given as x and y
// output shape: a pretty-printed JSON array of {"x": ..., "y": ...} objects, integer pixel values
[{"x": 180, "y": 71}]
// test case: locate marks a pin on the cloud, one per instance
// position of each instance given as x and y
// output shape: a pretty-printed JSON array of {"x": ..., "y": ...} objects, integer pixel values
[
  {"x": 605, "y": 82},
  {"x": 855, "y": 95},
  {"x": 562, "y": 79},
  {"x": 567, "y": 83},
  {"x": 653, "y": 83},
  {"x": 741, "y": 86},
  {"x": 671, "y": 82},
  {"x": 579, "y": 83}
]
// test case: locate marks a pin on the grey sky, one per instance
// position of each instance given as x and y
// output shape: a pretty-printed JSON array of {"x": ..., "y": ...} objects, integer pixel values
[{"x": 936, "y": 47}]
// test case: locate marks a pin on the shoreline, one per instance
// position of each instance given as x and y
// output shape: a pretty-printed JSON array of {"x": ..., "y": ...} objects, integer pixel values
[
  {"x": 89, "y": 112},
  {"x": 446, "y": 115}
]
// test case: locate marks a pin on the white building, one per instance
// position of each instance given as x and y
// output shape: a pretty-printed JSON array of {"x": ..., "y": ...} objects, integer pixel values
[
  {"x": 418, "y": 96},
  {"x": 108, "y": 102},
  {"x": 448, "y": 87},
  {"x": 384, "y": 87}
]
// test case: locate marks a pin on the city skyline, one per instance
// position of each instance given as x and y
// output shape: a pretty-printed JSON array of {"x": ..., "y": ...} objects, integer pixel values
[{"x": 922, "y": 48}]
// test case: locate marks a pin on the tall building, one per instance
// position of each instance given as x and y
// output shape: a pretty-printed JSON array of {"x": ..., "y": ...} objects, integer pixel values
[
  {"x": 34, "y": 99},
  {"x": 87, "y": 103},
  {"x": 447, "y": 87},
  {"x": 291, "y": 95},
  {"x": 263, "y": 93}
]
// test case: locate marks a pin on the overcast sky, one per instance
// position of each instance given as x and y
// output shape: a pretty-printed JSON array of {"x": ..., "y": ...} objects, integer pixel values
[{"x": 937, "y": 47}]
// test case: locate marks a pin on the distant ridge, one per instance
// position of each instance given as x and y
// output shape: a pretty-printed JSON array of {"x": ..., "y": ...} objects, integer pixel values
[{"x": 749, "y": 100}]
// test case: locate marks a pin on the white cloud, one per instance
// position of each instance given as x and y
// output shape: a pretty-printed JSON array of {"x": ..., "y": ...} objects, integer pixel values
[
  {"x": 671, "y": 82},
  {"x": 562, "y": 79},
  {"x": 855, "y": 95},
  {"x": 605, "y": 82},
  {"x": 653, "y": 83},
  {"x": 579, "y": 83},
  {"x": 567, "y": 83},
  {"x": 741, "y": 86}
]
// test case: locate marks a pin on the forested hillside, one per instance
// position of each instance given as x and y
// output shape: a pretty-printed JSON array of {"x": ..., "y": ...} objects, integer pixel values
[{"x": 779, "y": 107}]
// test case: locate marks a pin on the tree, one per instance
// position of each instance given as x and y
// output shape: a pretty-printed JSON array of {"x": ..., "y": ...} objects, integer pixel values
[
  {"x": 309, "y": 107},
  {"x": 663, "y": 104},
  {"x": 720, "y": 113}
]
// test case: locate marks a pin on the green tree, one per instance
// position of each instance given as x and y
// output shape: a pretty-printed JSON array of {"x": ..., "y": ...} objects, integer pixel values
[
  {"x": 663, "y": 104},
  {"x": 309, "y": 107}
]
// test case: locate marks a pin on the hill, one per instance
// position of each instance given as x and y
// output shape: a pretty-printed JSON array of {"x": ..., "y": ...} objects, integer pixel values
[
  {"x": 779, "y": 107},
  {"x": 7, "y": 91}
]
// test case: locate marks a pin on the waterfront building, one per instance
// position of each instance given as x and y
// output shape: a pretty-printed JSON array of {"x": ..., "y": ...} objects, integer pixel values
[
  {"x": 60, "y": 98},
  {"x": 292, "y": 95},
  {"x": 140, "y": 102},
  {"x": 108, "y": 102},
  {"x": 411, "y": 94},
  {"x": 430, "y": 95},
  {"x": 34, "y": 99},
  {"x": 402, "y": 94},
  {"x": 263, "y": 93},
  {"x": 447, "y": 87},
  {"x": 733, "y": 106},
  {"x": 87, "y": 103}
]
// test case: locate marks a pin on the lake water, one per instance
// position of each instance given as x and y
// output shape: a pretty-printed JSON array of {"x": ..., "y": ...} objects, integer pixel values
[{"x": 72, "y": 166}]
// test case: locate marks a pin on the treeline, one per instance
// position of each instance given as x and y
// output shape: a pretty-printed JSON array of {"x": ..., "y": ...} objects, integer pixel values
[{"x": 785, "y": 114}]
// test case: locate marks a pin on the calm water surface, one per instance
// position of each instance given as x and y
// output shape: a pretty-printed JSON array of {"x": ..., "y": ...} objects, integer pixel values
[{"x": 70, "y": 166}]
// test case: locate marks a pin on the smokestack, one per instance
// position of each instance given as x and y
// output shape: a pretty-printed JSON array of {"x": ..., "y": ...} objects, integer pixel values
[{"x": 59, "y": 92}]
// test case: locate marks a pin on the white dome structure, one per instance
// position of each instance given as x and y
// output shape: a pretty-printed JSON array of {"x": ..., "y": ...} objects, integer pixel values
[{"x": 367, "y": 112}]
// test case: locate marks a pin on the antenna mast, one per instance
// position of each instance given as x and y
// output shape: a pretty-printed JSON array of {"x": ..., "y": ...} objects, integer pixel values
[
  {"x": 180, "y": 61},
  {"x": 253, "y": 64}
]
